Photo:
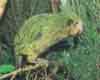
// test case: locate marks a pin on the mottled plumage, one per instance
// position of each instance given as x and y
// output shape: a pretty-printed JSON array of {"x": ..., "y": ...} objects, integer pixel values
[{"x": 42, "y": 31}]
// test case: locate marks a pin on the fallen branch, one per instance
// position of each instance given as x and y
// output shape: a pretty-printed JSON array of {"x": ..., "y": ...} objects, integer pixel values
[{"x": 27, "y": 68}]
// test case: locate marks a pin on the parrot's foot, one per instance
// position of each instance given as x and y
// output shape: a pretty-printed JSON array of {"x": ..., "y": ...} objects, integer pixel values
[
  {"x": 42, "y": 62},
  {"x": 31, "y": 59}
]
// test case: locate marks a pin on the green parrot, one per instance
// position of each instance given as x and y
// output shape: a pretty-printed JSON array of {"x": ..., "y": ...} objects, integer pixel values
[{"x": 42, "y": 31}]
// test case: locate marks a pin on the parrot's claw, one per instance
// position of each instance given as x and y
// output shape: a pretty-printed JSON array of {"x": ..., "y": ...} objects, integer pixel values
[{"x": 42, "y": 62}]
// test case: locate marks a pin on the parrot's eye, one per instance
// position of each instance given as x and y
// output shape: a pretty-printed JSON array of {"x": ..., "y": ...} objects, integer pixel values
[
  {"x": 70, "y": 21},
  {"x": 76, "y": 22}
]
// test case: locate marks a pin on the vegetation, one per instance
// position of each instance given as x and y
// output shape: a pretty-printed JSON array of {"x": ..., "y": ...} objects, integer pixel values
[{"x": 83, "y": 62}]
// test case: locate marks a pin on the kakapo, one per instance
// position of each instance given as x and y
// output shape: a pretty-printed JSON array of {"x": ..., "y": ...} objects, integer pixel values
[{"x": 42, "y": 31}]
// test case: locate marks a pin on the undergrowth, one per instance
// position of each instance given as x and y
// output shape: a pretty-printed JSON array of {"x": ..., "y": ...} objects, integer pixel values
[{"x": 82, "y": 61}]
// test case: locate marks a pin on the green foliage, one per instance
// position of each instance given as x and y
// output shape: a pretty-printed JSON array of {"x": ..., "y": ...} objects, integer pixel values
[
  {"x": 84, "y": 58},
  {"x": 16, "y": 12},
  {"x": 80, "y": 61},
  {"x": 4, "y": 57},
  {"x": 6, "y": 68}
]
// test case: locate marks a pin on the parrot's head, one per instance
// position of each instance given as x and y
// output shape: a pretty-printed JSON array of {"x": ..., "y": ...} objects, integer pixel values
[{"x": 75, "y": 27}]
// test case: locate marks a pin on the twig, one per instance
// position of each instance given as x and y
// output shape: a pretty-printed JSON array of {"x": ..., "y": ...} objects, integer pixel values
[{"x": 27, "y": 68}]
